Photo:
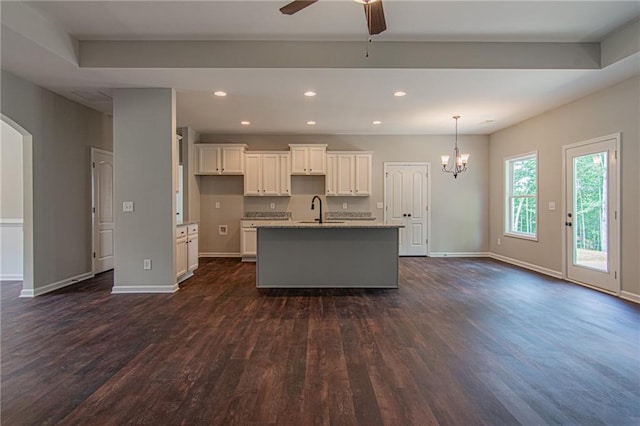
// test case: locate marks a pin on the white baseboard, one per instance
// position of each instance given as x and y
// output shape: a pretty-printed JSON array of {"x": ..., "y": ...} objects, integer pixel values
[
  {"x": 129, "y": 289},
  {"x": 460, "y": 254},
  {"x": 11, "y": 277},
  {"x": 632, "y": 297},
  {"x": 218, "y": 254},
  {"x": 526, "y": 265},
  {"x": 55, "y": 286}
]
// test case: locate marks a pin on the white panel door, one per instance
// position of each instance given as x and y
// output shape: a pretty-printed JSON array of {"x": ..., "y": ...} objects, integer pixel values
[
  {"x": 208, "y": 160},
  {"x": 285, "y": 174},
  {"x": 406, "y": 204},
  {"x": 317, "y": 160},
  {"x": 103, "y": 210},
  {"x": 591, "y": 207}
]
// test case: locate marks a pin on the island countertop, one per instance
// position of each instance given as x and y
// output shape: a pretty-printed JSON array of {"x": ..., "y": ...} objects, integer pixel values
[{"x": 329, "y": 224}]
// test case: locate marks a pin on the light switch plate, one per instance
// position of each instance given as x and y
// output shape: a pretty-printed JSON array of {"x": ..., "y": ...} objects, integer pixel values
[
  {"x": 272, "y": 206},
  {"x": 217, "y": 204},
  {"x": 127, "y": 206},
  {"x": 552, "y": 205},
  {"x": 380, "y": 205},
  {"x": 344, "y": 205},
  {"x": 146, "y": 264}
]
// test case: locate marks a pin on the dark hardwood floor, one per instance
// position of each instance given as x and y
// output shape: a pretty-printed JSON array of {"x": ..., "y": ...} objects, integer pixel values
[{"x": 461, "y": 342}]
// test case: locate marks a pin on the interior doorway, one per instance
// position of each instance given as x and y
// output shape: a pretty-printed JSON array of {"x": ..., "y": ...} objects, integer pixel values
[
  {"x": 591, "y": 213},
  {"x": 27, "y": 205},
  {"x": 102, "y": 210},
  {"x": 406, "y": 202}
]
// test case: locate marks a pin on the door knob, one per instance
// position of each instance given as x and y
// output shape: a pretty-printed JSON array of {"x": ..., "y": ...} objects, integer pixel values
[
  {"x": 567, "y": 224},
  {"x": 405, "y": 215}
]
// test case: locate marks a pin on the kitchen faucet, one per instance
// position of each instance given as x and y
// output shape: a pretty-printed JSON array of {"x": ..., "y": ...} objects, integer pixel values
[{"x": 313, "y": 200}]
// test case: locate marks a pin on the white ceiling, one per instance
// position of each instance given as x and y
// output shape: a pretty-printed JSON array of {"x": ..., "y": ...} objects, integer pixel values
[{"x": 348, "y": 99}]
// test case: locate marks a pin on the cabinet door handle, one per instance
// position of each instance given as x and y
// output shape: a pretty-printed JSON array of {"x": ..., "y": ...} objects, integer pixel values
[{"x": 404, "y": 215}]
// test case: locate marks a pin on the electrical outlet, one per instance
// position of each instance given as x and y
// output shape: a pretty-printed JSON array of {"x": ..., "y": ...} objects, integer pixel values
[
  {"x": 146, "y": 264},
  {"x": 127, "y": 206},
  {"x": 380, "y": 205},
  {"x": 552, "y": 205},
  {"x": 499, "y": 242},
  {"x": 217, "y": 204},
  {"x": 223, "y": 230},
  {"x": 344, "y": 205},
  {"x": 272, "y": 206}
]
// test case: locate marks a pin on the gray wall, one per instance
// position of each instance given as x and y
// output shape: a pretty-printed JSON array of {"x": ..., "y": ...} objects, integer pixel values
[
  {"x": 144, "y": 158},
  {"x": 63, "y": 132},
  {"x": 459, "y": 207},
  {"x": 602, "y": 113}
]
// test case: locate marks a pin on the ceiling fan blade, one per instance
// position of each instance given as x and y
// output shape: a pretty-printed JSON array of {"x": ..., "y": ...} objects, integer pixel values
[
  {"x": 296, "y": 6},
  {"x": 375, "y": 17}
]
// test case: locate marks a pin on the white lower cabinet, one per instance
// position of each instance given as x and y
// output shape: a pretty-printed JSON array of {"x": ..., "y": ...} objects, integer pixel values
[
  {"x": 248, "y": 244},
  {"x": 181, "y": 251},
  {"x": 186, "y": 251}
]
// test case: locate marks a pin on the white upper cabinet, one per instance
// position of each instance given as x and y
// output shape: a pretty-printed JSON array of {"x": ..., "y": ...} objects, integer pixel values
[
  {"x": 216, "y": 159},
  {"x": 362, "y": 174},
  {"x": 348, "y": 174},
  {"x": 267, "y": 174},
  {"x": 308, "y": 159}
]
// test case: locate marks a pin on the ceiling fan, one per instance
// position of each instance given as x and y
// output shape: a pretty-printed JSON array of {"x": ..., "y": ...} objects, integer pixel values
[{"x": 372, "y": 9}]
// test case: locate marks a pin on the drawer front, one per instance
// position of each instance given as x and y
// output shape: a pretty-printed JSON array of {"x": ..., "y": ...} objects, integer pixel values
[
  {"x": 181, "y": 231},
  {"x": 193, "y": 229}
]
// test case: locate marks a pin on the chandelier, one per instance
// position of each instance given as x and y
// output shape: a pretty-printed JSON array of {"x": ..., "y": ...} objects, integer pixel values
[{"x": 460, "y": 161}]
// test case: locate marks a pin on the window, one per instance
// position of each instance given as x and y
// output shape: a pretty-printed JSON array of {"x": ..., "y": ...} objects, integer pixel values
[{"x": 521, "y": 196}]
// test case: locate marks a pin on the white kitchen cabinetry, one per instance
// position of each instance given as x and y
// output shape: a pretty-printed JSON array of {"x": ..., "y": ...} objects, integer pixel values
[
  {"x": 248, "y": 243},
  {"x": 348, "y": 174},
  {"x": 181, "y": 251},
  {"x": 308, "y": 159},
  {"x": 267, "y": 174},
  {"x": 192, "y": 248},
  {"x": 216, "y": 159},
  {"x": 186, "y": 251}
]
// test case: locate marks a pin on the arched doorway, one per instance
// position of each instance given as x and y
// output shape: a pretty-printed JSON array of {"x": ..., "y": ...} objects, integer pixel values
[{"x": 27, "y": 205}]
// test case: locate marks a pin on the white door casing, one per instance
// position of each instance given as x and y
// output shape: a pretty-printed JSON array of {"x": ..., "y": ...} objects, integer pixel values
[
  {"x": 102, "y": 210},
  {"x": 406, "y": 203},
  {"x": 595, "y": 268}
]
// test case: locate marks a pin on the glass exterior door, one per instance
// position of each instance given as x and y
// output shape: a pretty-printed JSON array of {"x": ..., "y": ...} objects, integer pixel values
[{"x": 592, "y": 256}]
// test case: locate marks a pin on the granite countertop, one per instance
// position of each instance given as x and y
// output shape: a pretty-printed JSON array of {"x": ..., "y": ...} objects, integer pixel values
[
  {"x": 349, "y": 216},
  {"x": 190, "y": 222},
  {"x": 331, "y": 224},
  {"x": 267, "y": 216}
]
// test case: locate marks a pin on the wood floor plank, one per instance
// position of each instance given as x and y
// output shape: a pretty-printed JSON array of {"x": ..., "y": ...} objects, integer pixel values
[{"x": 462, "y": 341}]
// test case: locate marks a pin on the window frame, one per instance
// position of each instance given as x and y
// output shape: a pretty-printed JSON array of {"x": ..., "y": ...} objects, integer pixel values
[{"x": 508, "y": 196}]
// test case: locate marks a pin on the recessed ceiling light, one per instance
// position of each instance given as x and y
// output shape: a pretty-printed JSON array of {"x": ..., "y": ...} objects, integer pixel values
[
  {"x": 311, "y": 122},
  {"x": 245, "y": 122},
  {"x": 377, "y": 122},
  {"x": 310, "y": 93},
  {"x": 220, "y": 93},
  {"x": 399, "y": 93}
]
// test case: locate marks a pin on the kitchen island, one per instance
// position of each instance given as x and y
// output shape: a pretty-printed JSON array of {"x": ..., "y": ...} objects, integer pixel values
[{"x": 327, "y": 255}]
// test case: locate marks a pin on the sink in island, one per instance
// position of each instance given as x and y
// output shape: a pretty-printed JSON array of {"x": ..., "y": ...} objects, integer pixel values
[{"x": 332, "y": 254}]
